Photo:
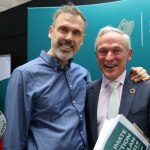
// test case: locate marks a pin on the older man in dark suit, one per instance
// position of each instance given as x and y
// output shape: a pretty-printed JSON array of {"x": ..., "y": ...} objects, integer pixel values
[{"x": 113, "y": 50}]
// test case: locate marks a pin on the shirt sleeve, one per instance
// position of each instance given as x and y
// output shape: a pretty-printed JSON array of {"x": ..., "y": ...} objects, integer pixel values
[{"x": 17, "y": 111}]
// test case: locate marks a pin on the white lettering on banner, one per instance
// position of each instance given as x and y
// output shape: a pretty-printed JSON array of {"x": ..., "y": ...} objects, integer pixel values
[{"x": 125, "y": 141}]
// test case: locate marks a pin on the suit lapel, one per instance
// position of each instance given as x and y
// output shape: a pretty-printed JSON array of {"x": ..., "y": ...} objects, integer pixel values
[
  {"x": 128, "y": 93},
  {"x": 93, "y": 100}
]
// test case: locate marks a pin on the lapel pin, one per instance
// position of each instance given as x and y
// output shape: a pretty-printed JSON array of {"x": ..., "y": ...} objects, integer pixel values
[{"x": 132, "y": 90}]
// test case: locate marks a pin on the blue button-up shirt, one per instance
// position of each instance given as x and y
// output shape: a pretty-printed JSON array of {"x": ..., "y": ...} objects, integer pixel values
[{"x": 45, "y": 106}]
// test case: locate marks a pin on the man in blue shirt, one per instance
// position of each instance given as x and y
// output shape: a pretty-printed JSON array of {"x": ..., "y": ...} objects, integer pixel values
[{"x": 45, "y": 97}]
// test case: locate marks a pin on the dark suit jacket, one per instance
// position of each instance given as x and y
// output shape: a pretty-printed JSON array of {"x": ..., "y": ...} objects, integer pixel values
[{"x": 135, "y": 106}]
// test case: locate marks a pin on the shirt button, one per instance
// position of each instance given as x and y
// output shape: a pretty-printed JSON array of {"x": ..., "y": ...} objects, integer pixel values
[
  {"x": 74, "y": 102},
  {"x": 70, "y": 86},
  {"x": 81, "y": 132},
  {"x": 81, "y": 116}
]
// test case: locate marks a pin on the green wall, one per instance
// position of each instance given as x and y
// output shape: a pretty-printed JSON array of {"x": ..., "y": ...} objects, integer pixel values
[{"x": 3, "y": 86}]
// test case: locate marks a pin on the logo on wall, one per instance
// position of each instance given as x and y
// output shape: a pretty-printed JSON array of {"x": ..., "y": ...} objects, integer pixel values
[
  {"x": 126, "y": 26},
  {"x": 2, "y": 124}
]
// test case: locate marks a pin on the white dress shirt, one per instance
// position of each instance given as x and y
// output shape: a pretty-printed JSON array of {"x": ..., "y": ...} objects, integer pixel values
[{"x": 103, "y": 101}]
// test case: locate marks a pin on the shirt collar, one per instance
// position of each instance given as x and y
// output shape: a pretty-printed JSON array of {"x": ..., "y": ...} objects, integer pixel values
[
  {"x": 53, "y": 62},
  {"x": 120, "y": 79}
]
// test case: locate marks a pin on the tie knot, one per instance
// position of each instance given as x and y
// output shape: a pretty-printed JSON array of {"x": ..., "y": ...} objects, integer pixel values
[{"x": 114, "y": 84}]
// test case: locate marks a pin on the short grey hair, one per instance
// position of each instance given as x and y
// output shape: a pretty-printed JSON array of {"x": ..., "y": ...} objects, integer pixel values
[
  {"x": 70, "y": 8},
  {"x": 107, "y": 29}
]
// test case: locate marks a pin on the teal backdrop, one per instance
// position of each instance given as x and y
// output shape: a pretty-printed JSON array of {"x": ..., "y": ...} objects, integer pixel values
[
  {"x": 3, "y": 86},
  {"x": 133, "y": 17}
]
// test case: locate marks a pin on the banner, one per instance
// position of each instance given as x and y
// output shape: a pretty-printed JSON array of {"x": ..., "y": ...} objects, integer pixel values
[{"x": 5, "y": 71}]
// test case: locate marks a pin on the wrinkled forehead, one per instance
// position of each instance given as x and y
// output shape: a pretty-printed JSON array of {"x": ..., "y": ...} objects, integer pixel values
[
  {"x": 62, "y": 14},
  {"x": 113, "y": 39},
  {"x": 70, "y": 20}
]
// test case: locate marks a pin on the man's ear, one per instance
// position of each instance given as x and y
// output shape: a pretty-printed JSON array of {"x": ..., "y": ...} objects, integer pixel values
[
  {"x": 130, "y": 54},
  {"x": 50, "y": 32},
  {"x": 82, "y": 40},
  {"x": 96, "y": 55}
]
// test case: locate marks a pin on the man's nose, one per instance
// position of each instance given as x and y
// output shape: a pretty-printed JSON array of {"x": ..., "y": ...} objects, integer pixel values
[
  {"x": 69, "y": 36},
  {"x": 109, "y": 56}
]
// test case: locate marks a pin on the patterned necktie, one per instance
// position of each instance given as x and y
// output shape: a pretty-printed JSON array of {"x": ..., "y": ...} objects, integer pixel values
[{"x": 114, "y": 101}]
